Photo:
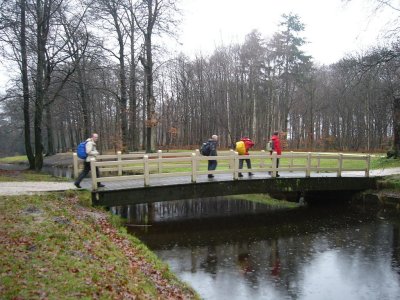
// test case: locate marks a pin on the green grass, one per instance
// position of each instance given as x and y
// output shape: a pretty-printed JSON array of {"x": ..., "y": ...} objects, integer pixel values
[
  {"x": 265, "y": 199},
  {"x": 27, "y": 175},
  {"x": 390, "y": 182},
  {"x": 383, "y": 163},
  {"x": 52, "y": 247},
  {"x": 14, "y": 159}
]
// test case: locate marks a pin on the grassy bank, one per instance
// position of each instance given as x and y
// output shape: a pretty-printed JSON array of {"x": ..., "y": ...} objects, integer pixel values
[
  {"x": 390, "y": 182},
  {"x": 265, "y": 199},
  {"x": 55, "y": 246}
]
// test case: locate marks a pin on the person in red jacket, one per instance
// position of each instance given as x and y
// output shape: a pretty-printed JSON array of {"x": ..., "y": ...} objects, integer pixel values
[
  {"x": 276, "y": 147},
  {"x": 248, "y": 143}
]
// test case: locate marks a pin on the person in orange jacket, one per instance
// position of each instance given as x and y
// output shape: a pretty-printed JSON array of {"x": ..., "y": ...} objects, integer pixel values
[
  {"x": 276, "y": 147},
  {"x": 248, "y": 143}
]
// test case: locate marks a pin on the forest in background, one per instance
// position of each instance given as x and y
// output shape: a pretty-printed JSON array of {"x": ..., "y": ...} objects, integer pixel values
[{"x": 99, "y": 66}]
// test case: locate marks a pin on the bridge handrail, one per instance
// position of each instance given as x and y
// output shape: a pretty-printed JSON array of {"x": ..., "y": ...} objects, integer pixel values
[{"x": 151, "y": 165}]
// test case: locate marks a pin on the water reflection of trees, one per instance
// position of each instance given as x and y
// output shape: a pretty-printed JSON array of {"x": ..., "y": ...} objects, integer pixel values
[
  {"x": 281, "y": 263},
  {"x": 269, "y": 248}
]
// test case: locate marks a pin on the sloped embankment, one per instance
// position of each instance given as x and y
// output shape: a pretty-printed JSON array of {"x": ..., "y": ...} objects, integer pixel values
[{"x": 53, "y": 247}]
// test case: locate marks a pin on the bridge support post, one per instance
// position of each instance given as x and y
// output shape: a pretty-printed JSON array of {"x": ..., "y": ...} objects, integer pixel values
[
  {"x": 232, "y": 160},
  {"x": 274, "y": 162},
  {"x": 340, "y": 165},
  {"x": 93, "y": 173},
  {"x": 308, "y": 169},
  {"x": 76, "y": 165},
  {"x": 291, "y": 161},
  {"x": 159, "y": 152},
  {"x": 119, "y": 158},
  {"x": 262, "y": 163},
  {"x": 146, "y": 170},
  {"x": 198, "y": 155},
  {"x": 236, "y": 166},
  {"x": 368, "y": 165},
  {"x": 194, "y": 167}
]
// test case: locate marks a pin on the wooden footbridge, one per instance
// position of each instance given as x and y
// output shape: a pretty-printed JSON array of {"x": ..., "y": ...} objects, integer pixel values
[{"x": 163, "y": 176}]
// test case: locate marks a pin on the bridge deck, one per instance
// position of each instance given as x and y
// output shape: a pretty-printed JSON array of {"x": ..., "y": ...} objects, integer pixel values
[
  {"x": 138, "y": 183},
  {"x": 175, "y": 188}
]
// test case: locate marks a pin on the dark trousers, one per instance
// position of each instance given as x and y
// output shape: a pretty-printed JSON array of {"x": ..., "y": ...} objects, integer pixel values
[
  {"x": 212, "y": 165},
  {"x": 248, "y": 163},
  {"x": 85, "y": 172},
  {"x": 277, "y": 163}
]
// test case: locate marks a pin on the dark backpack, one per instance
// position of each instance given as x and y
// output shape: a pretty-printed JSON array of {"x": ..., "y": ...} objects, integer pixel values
[
  {"x": 205, "y": 149},
  {"x": 81, "y": 150}
]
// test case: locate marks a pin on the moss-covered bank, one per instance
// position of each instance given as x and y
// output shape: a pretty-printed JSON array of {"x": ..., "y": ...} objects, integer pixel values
[{"x": 55, "y": 246}]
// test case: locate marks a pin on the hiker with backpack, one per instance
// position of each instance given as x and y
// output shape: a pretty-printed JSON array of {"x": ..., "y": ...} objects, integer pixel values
[
  {"x": 212, "y": 164},
  {"x": 209, "y": 148},
  {"x": 242, "y": 148},
  {"x": 276, "y": 147},
  {"x": 87, "y": 150}
]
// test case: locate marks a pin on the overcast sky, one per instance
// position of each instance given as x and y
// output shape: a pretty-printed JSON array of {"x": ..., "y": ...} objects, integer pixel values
[{"x": 332, "y": 28}]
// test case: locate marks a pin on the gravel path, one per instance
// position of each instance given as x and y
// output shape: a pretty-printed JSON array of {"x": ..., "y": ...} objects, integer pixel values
[{"x": 33, "y": 187}]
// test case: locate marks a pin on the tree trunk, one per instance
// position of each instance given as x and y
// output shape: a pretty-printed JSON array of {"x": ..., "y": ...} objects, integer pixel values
[
  {"x": 396, "y": 126},
  {"x": 132, "y": 91},
  {"x": 151, "y": 113},
  {"x": 25, "y": 88},
  {"x": 50, "y": 135},
  {"x": 39, "y": 88}
]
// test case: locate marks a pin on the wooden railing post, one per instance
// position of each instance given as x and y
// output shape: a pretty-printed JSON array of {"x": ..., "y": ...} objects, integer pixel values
[
  {"x": 262, "y": 163},
  {"x": 146, "y": 171},
  {"x": 340, "y": 165},
  {"x": 194, "y": 167},
  {"x": 198, "y": 155},
  {"x": 159, "y": 152},
  {"x": 368, "y": 161},
  {"x": 232, "y": 159},
  {"x": 119, "y": 158},
  {"x": 76, "y": 165},
  {"x": 308, "y": 169},
  {"x": 235, "y": 165},
  {"x": 274, "y": 161},
  {"x": 318, "y": 162},
  {"x": 291, "y": 161},
  {"x": 93, "y": 173}
]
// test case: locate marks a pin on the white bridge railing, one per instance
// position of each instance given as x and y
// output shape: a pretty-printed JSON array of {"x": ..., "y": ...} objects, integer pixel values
[{"x": 119, "y": 167}]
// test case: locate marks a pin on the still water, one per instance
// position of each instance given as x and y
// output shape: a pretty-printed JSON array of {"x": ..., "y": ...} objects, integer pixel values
[{"x": 231, "y": 249}]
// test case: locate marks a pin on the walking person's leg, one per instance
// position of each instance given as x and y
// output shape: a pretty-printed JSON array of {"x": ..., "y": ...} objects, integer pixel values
[
  {"x": 240, "y": 167},
  {"x": 211, "y": 167},
  {"x": 277, "y": 166},
  {"x": 83, "y": 174},
  {"x": 248, "y": 162},
  {"x": 98, "y": 176}
]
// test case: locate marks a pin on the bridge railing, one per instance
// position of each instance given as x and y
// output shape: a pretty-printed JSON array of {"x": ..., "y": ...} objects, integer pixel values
[{"x": 119, "y": 167}]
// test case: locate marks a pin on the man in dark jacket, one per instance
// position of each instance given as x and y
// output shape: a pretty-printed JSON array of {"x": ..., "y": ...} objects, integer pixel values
[{"x": 212, "y": 164}]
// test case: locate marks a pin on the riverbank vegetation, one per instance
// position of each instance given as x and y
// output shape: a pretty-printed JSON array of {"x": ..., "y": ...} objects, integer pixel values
[
  {"x": 55, "y": 246},
  {"x": 265, "y": 199}
]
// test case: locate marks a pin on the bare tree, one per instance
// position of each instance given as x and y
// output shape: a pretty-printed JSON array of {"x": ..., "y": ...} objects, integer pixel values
[{"x": 154, "y": 16}]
